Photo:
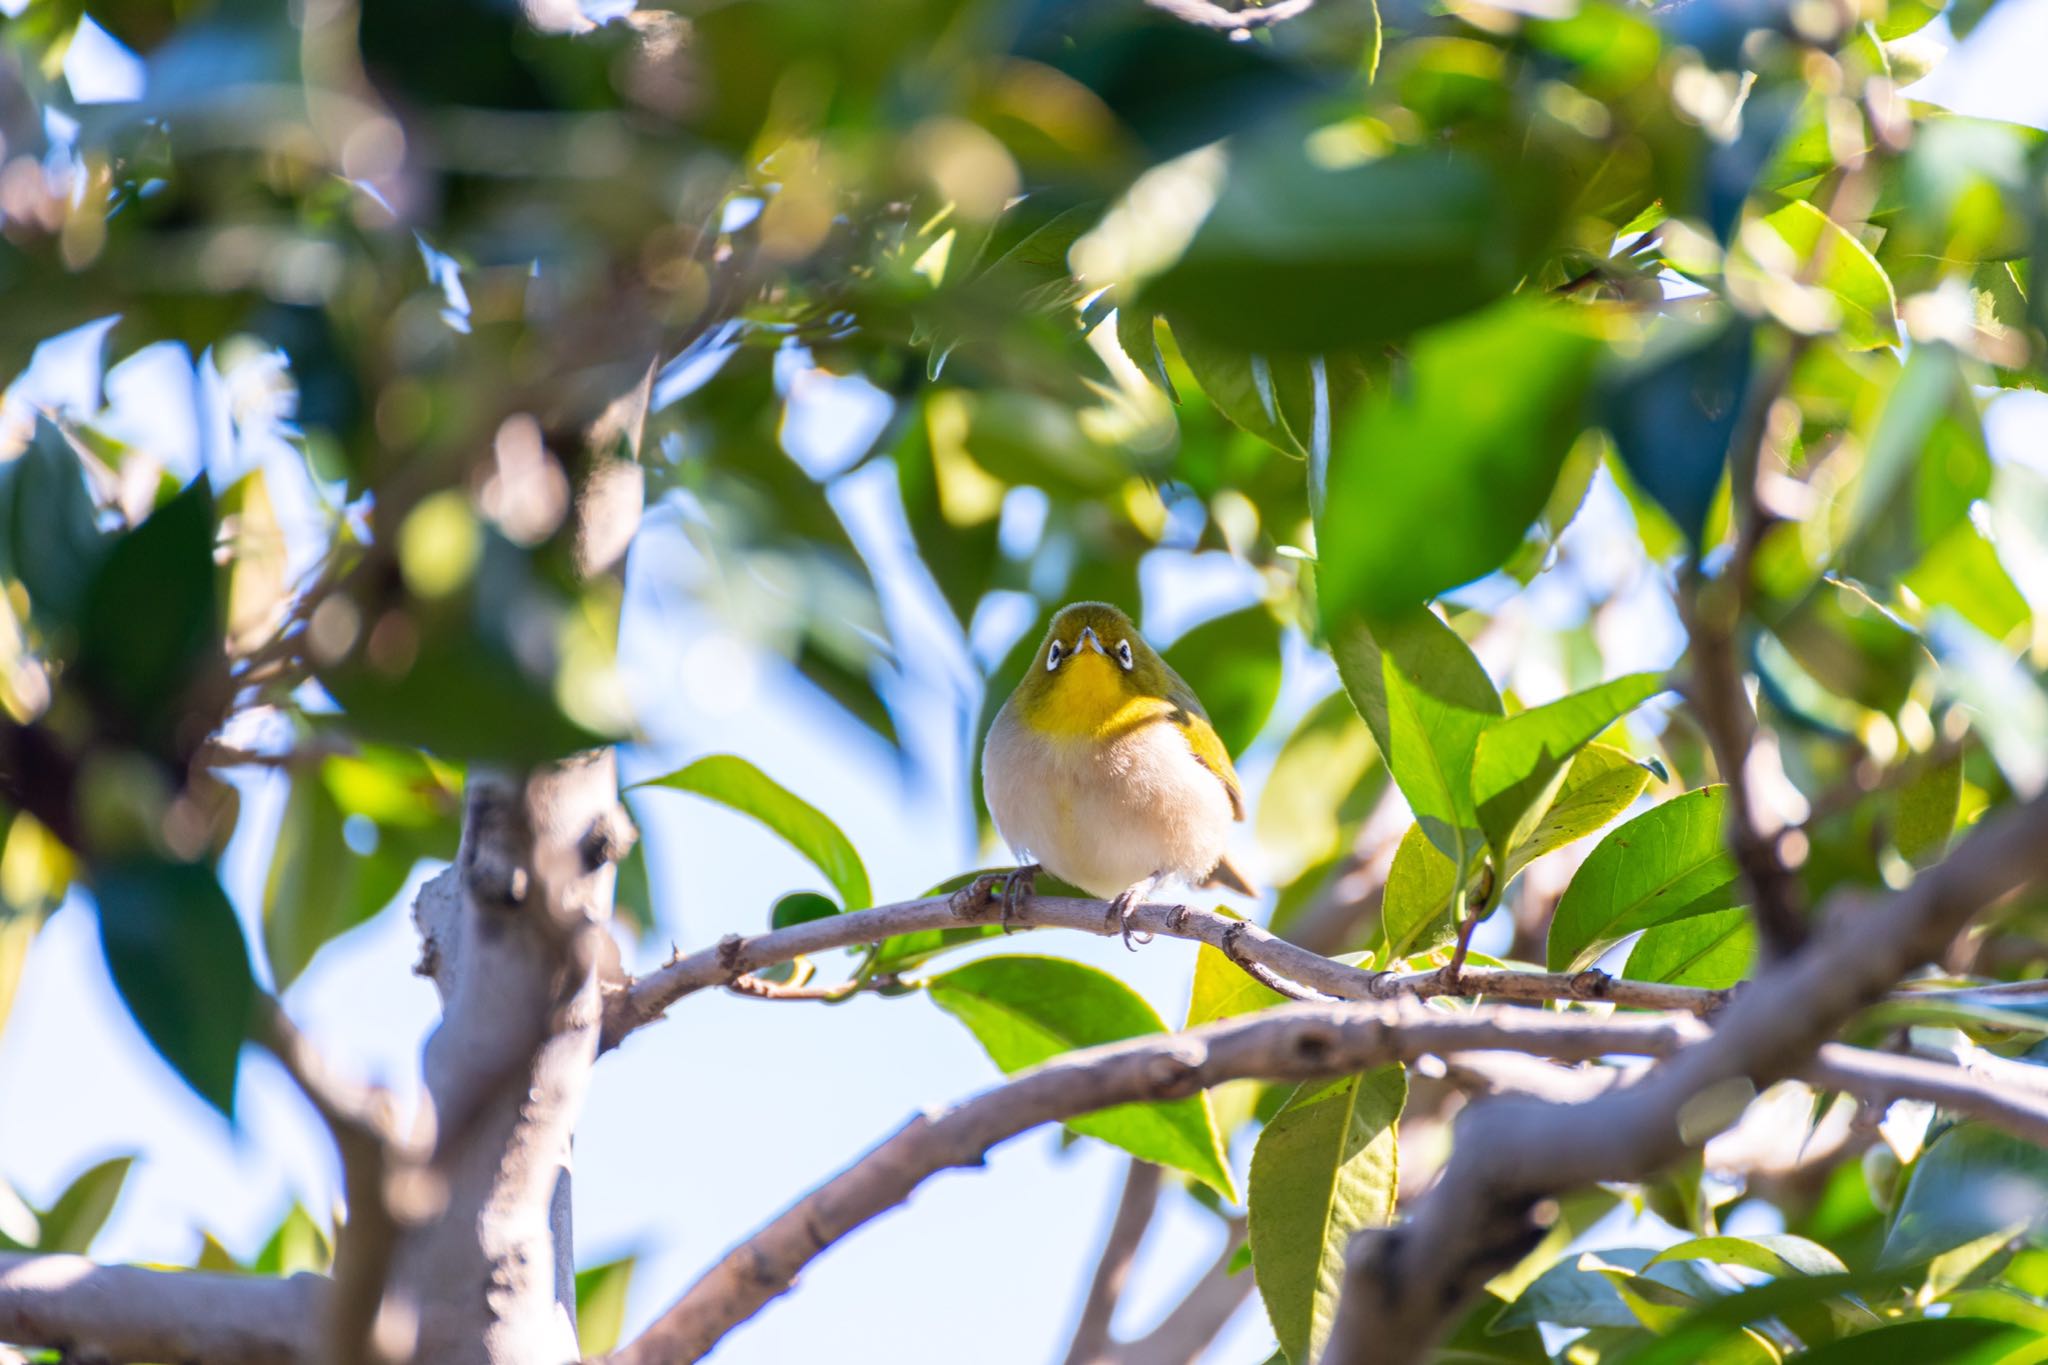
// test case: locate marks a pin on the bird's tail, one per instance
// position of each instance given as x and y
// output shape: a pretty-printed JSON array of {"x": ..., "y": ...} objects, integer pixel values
[{"x": 1227, "y": 876}]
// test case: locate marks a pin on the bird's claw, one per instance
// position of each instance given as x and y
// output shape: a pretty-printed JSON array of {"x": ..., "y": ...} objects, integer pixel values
[
  {"x": 1017, "y": 888},
  {"x": 1126, "y": 907},
  {"x": 974, "y": 896}
]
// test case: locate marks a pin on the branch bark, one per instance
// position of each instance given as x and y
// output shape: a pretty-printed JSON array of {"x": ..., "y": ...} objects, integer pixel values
[
  {"x": 1403, "y": 1284},
  {"x": 1134, "y": 1208},
  {"x": 118, "y": 1314}
]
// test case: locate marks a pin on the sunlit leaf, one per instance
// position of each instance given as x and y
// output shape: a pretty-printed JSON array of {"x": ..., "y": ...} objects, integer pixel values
[
  {"x": 1325, "y": 1167},
  {"x": 601, "y": 1304},
  {"x": 1026, "y": 1010},
  {"x": 71, "y": 1223},
  {"x": 1600, "y": 784},
  {"x": 732, "y": 781},
  {"x": 1416, "y": 907},
  {"x": 1519, "y": 763},
  {"x": 1667, "y": 864},
  {"x": 1713, "y": 951}
]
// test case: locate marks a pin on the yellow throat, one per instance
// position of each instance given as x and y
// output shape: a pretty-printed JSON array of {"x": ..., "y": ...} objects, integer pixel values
[{"x": 1089, "y": 698}]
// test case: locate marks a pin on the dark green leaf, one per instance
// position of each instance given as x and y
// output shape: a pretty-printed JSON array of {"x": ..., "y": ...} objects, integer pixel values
[
  {"x": 1401, "y": 522},
  {"x": 1924, "y": 811},
  {"x": 1929, "y": 1341},
  {"x": 176, "y": 954},
  {"x": 1245, "y": 389},
  {"x": 1325, "y": 1167},
  {"x": 732, "y": 781},
  {"x": 1673, "y": 414},
  {"x": 148, "y": 624},
  {"x": 1520, "y": 762},
  {"x": 51, "y": 542},
  {"x": 1972, "y": 1181},
  {"x": 799, "y": 907},
  {"x": 1233, "y": 664},
  {"x": 1667, "y": 864},
  {"x": 1137, "y": 334},
  {"x": 1713, "y": 951},
  {"x": 1416, "y": 908},
  {"x": 1600, "y": 784},
  {"x": 1026, "y": 1010}
]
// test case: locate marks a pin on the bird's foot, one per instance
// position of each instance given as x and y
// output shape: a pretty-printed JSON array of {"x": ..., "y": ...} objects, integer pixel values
[
  {"x": 970, "y": 900},
  {"x": 1017, "y": 888},
  {"x": 1126, "y": 907}
]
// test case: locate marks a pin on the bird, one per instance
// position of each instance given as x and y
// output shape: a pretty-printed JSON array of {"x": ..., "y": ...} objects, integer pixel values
[{"x": 1102, "y": 769}]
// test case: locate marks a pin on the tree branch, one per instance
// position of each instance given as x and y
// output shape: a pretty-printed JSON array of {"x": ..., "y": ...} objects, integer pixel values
[
  {"x": 1287, "y": 1042},
  {"x": 1194, "y": 1322},
  {"x": 1134, "y": 1208},
  {"x": 1404, "y": 1284},
  {"x": 634, "y": 1004},
  {"x": 118, "y": 1314}
]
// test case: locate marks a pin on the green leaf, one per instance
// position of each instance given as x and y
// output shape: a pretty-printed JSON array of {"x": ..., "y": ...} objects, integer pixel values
[
  {"x": 1137, "y": 333},
  {"x": 733, "y": 782},
  {"x": 319, "y": 887},
  {"x": 175, "y": 951},
  {"x": 1426, "y": 700},
  {"x": 1667, "y": 864},
  {"x": 1600, "y": 784},
  {"x": 51, "y": 541},
  {"x": 1572, "y": 1294},
  {"x": 800, "y": 907},
  {"x": 1673, "y": 411},
  {"x": 632, "y": 894},
  {"x": 1245, "y": 389},
  {"x": 1317, "y": 789},
  {"x": 1852, "y": 645},
  {"x": 1924, "y": 811},
  {"x": 17, "y": 931},
  {"x": 1848, "y": 272},
  {"x": 148, "y": 624},
  {"x": 1972, "y": 1181},
  {"x": 70, "y": 1224},
  {"x": 1325, "y": 1167},
  {"x": 1928, "y": 1341},
  {"x": 1777, "y": 1254},
  {"x": 601, "y": 1304},
  {"x": 1713, "y": 951},
  {"x": 298, "y": 1244},
  {"x": 1233, "y": 664},
  {"x": 1223, "y": 990},
  {"x": 1404, "y": 518},
  {"x": 1026, "y": 1010},
  {"x": 1519, "y": 763},
  {"x": 1416, "y": 907}
]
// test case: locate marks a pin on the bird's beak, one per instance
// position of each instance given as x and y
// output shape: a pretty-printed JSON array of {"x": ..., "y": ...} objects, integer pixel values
[{"x": 1088, "y": 639}]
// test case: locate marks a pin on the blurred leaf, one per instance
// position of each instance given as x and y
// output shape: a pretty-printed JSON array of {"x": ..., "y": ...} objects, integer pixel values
[
  {"x": 1027, "y": 1010},
  {"x": 1233, "y": 664},
  {"x": 1401, "y": 522},
  {"x": 1774, "y": 1253},
  {"x": 1971, "y": 1181},
  {"x": 1713, "y": 951},
  {"x": 1570, "y": 1294},
  {"x": 1962, "y": 572},
  {"x": 1301, "y": 256},
  {"x": 318, "y": 886},
  {"x": 1519, "y": 763},
  {"x": 1138, "y": 334},
  {"x": 1416, "y": 907},
  {"x": 17, "y": 932},
  {"x": 800, "y": 907},
  {"x": 71, "y": 1223},
  {"x": 1924, "y": 811},
  {"x": 1426, "y": 700},
  {"x": 1667, "y": 864},
  {"x": 52, "y": 543},
  {"x": 298, "y": 1244},
  {"x": 1852, "y": 645},
  {"x": 2005, "y": 701},
  {"x": 1243, "y": 386},
  {"x": 175, "y": 951},
  {"x": 601, "y": 1304},
  {"x": 1600, "y": 784},
  {"x": 1325, "y": 1167},
  {"x": 632, "y": 894},
  {"x": 1317, "y": 787},
  {"x": 147, "y": 623},
  {"x": 952, "y": 506},
  {"x": 1929, "y": 1341},
  {"x": 733, "y": 782},
  {"x": 847, "y": 684},
  {"x": 1847, "y": 271},
  {"x": 255, "y": 546},
  {"x": 1673, "y": 414},
  {"x": 1223, "y": 990}
]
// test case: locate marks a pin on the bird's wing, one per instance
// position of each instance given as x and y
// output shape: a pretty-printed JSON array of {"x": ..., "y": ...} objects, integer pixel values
[{"x": 1193, "y": 722}]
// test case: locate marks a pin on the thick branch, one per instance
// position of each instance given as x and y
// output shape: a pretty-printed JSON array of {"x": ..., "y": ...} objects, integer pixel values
[
  {"x": 1404, "y": 1284},
  {"x": 1289, "y": 1042},
  {"x": 121, "y": 1314}
]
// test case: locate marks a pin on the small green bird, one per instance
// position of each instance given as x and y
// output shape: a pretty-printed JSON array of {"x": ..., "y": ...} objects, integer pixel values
[{"x": 1104, "y": 768}]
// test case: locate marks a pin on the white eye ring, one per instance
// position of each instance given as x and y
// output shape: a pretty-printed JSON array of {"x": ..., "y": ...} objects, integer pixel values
[
  {"x": 1052, "y": 656},
  {"x": 1123, "y": 654}
]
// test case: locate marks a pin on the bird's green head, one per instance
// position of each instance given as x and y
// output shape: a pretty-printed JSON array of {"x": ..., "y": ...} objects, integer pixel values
[{"x": 1090, "y": 668}]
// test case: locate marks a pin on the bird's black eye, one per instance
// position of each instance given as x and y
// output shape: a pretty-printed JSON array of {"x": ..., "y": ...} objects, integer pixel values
[
  {"x": 1052, "y": 656},
  {"x": 1123, "y": 653}
]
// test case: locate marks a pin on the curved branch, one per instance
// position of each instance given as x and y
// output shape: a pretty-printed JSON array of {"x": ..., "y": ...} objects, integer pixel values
[
  {"x": 635, "y": 1004},
  {"x": 1402, "y": 1285},
  {"x": 1134, "y": 1209},
  {"x": 125, "y": 1313},
  {"x": 1287, "y": 1042}
]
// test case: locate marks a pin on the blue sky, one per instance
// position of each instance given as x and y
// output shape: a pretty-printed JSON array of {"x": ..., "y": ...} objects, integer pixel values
[{"x": 705, "y": 1125}]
